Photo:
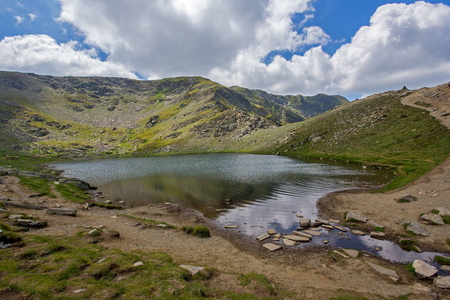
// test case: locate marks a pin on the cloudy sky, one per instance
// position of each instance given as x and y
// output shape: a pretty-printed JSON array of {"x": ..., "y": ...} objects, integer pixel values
[{"x": 347, "y": 47}]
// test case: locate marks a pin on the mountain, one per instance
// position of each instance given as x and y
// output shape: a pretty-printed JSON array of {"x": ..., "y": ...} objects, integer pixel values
[{"x": 79, "y": 116}]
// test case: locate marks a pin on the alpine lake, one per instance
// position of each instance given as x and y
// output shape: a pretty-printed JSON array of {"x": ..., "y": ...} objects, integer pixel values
[{"x": 253, "y": 192}]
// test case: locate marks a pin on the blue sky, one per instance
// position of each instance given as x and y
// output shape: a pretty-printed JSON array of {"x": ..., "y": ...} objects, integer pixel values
[{"x": 348, "y": 47}]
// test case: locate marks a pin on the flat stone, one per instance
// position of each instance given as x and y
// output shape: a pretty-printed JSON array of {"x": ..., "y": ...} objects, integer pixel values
[
  {"x": 417, "y": 229},
  {"x": 312, "y": 232},
  {"x": 375, "y": 224},
  {"x": 442, "y": 281},
  {"x": 192, "y": 269},
  {"x": 30, "y": 223},
  {"x": 61, "y": 211},
  {"x": 341, "y": 254},
  {"x": 289, "y": 242},
  {"x": 232, "y": 226},
  {"x": 161, "y": 226},
  {"x": 354, "y": 216},
  {"x": 315, "y": 224},
  {"x": 271, "y": 247},
  {"x": 340, "y": 228},
  {"x": 325, "y": 242},
  {"x": 93, "y": 232},
  {"x": 334, "y": 221},
  {"x": 297, "y": 238},
  {"x": 443, "y": 212},
  {"x": 315, "y": 229},
  {"x": 262, "y": 237},
  {"x": 299, "y": 215},
  {"x": 377, "y": 234},
  {"x": 108, "y": 202},
  {"x": 276, "y": 239},
  {"x": 357, "y": 232},
  {"x": 79, "y": 291},
  {"x": 385, "y": 271},
  {"x": 323, "y": 221},
  {"x": 300, "y": 233},
  {"x": 271, "y": 231},
  {"x": 351, "y": 252},
  {"x": 432, "y": 218},
  {"x": 304, "y": 222},
  {"x": 278, "y": 235},
  {"x": 378, "y": 248},
  {"x": 423, "y": 269},
  {"x": 327, "y": 226},
  {"x": 445, "y": 268}
]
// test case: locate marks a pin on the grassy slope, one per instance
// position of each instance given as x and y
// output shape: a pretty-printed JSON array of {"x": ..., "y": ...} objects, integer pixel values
[{"x": 378, "y": 130}]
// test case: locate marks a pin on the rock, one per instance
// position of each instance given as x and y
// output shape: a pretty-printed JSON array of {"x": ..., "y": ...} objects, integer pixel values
[
  {"x": 30, "y": 223},
  {"x": 375, "y": 224},
  {"x": 405, "y": 199},
  {"x": 445, "y": 268},
  {"x": 351, "y": 252},
  {"x": 315, "y": 224},
  {"x": 79, "y": 291},
  {"x": 421, "y": 288},
  {"x": 289, "y": 242},
  {"x": 297, "y": 238},
  {"x": 377, "y": 234},
  {"x": 271, "y": 247},
  {"x": 442, "y": 281},
  {"x": 329, "y": 227},
  {"x": 231, "y": 226},
  {"x": 353, "y": 216},
  {"x": 108, "y": 202},
  {"x": 423, "y": 269},
  {"x": 443, "y": 212},
  {"x": 138, "y": 264},
  {"x": 192, "y": 269},
  {"x": 304, "y": 222},
  {"x": 161, "y": 226},
  {"x": 334, "y": 221},
  {"x": 357, "y": 232},
  {"x": 385, "y": 271},
  {"x": 271, "y": 231},
  {"x": 418, "y": 229},
  {"x": 432, "y": 218},
  {"x": 378, "y": 248},
  {"x": 325, "y": 242},
  {"x": 12, "y": 217},
  {"x": 313, "y": 232},
  {"x": 323, "y": 221},
  {"x": 94, "y": 232},
  {"x": 299, "y": 233},
  {"x": 341, "y": 254},
  {"x": 340, "y": 228},
  {"x": 299, "y": 215},
  {"x": 262, "y": 237},
  {"x": 61, "y": 211}
]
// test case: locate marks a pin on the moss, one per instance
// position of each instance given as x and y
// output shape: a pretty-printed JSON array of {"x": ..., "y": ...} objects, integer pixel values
[{"x": 442, "y": 260}]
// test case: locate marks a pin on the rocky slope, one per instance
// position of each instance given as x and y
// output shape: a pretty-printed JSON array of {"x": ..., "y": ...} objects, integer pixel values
[{"x": 79, "y": 116}]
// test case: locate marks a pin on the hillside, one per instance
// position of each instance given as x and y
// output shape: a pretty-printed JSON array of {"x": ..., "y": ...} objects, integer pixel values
[{"x": 79, "y": 116}]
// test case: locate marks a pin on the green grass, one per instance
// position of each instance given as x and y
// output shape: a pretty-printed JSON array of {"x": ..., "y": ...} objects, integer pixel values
[
  {"x": 37, "y": 184},
  {"x": 106, "y": 205},
  {"x": 149, "y": 222},
  {"x": 54, "y": 267},
  {"x": 199, "y": 230},
  {"x": 408, "y": 245},
  {"x": 410, "y": 269},
  {"x": 442, "y": 260},
  {"x": 377, "y": 131},
  {"x": 379, "y": 229},
  {"x": 72, "y": 193}
]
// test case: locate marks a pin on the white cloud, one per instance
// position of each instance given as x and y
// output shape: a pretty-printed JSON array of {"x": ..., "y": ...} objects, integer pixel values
[
  {"x": 19, "y": 19},
  {"x": 41, "y": 54},
  {"x": 32, "y": 16},
  {"x": 227, "y": 40}
]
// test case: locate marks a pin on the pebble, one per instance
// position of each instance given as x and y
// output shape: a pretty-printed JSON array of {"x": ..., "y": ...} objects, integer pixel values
[
  {"x": 139, "y": 263},
  {"x": 231, "y": 226}
]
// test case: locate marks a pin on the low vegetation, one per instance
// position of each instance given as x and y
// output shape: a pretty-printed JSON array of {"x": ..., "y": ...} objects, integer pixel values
[{"x": 199, "y": 230}]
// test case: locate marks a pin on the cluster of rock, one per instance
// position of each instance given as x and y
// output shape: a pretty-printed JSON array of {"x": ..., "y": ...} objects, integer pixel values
[{"x": 424, "y": 270}]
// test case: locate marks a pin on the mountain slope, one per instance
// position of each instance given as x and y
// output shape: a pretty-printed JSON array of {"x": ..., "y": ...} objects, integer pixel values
[{"x": 80, "y": 116}]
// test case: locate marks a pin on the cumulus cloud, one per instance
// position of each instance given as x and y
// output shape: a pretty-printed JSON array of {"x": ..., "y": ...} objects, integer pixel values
[
  {"x": 41, "y": 54},
  {"x": 403, "y": 45}
]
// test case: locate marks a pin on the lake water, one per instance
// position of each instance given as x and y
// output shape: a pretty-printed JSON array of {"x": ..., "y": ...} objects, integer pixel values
[{"x": 255, "y": 192}]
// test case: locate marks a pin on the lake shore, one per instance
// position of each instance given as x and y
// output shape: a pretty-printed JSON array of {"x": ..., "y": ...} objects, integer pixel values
[{"x": 313, "y": 273}]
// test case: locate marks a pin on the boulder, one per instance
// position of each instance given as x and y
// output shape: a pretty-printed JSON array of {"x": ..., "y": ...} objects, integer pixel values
[
  {"x": 423, "y": 269},
  {"x": 353, "y": 216},
  {"x": 304, "y": 222},
  {"x": 443, "y": 212},
  {"x": 442, "y": 281},
  {"x": 432, "y": 219},
  {"x": 418, "y": 229}
]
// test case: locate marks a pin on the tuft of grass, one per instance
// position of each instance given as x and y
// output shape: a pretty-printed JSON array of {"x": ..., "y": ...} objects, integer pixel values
[
  {"x": 107, "y": 206},
  {"x": 410, "y": 269},
  {"x": 379, "y": 229},
  {"x": 72, "y": 193},
  {"x": 37, "y": 184},
  {"x": 408, "y": 245},
  {"x": 149, "y": 222},
  {"x": 442, "y": 260},
  {"x": 258, "y": 278},
  {"x": 200, "y": 231}
]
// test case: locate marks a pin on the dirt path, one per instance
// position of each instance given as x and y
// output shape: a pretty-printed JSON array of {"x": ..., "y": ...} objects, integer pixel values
[{"x": 310, "y": 274}]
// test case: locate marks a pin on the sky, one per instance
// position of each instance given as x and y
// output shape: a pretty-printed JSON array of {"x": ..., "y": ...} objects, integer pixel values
[{"x": 352, "y": 48}]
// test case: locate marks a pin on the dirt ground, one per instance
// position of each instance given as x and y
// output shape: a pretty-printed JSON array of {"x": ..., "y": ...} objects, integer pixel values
[{"x": 312, "y": 273}]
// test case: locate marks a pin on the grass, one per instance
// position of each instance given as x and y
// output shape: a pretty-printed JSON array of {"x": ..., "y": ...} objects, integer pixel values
[
  {"x": 379, "y": 229},
  {"x": 37, "y": 184},
  {"x": 106, "y": 205},
  {"x": 199, "y": 230},
  {"x": 408, "y": 245},
  {"x": 442, "y": 260},
  {"x": 410, "y": 269},
  {"x": 149, "y": 222},
  {"x": 54, "y": 267},
  {"x": 72, "y": 193}
]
